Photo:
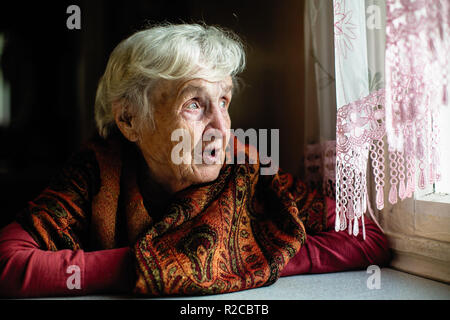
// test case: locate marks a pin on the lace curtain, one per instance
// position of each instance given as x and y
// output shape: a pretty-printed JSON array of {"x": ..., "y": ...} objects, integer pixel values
[{"x": 391, "y": 69}]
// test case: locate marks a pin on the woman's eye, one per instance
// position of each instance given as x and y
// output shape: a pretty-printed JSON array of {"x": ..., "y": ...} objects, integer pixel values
[
  {"x": 223, "y": 104},
  {"x": 193, "y": 106}
]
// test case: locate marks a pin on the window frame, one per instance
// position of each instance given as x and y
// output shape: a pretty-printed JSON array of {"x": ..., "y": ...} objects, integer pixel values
[{"x": 418, "y": 229}]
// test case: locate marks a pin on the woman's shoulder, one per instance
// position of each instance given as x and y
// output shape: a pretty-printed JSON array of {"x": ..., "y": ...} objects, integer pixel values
[
  {"x": 84, "y": 166},
  {"x": 103, "y": 151},
  {"x": 98, "y": 161},
  {"x": 96, "y": 143}
]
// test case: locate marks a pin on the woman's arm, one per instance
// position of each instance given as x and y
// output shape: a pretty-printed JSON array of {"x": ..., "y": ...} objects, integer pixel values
[
  {"x": 331, "y": 251},
  {"x": 58, "y": 218},
  {"x": 28, "y": 271},
  {"x": 35, "y": 261}
]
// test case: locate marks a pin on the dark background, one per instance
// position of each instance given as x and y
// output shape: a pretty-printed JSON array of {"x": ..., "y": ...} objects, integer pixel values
[{"x": 53, "y": 74}]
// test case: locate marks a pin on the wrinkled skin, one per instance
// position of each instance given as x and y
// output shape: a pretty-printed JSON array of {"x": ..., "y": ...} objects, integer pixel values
[{"x": 198, "y": 106}]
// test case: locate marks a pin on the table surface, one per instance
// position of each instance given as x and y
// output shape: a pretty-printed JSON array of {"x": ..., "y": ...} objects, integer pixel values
[{"x": 350, "y": 285}]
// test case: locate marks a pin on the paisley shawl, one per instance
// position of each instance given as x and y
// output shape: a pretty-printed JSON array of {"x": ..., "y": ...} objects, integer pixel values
[{"x": 235, "y": 233}]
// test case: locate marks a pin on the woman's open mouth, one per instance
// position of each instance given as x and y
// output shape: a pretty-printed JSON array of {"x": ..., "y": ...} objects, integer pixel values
[{"x": 211, "y": 155}]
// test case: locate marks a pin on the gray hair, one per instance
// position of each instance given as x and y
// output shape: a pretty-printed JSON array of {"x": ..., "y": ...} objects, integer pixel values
[{"x": 171, "y": 52}]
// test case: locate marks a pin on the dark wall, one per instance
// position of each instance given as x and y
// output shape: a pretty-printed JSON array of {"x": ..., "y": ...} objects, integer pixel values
[{"x": 53, "y": 73}]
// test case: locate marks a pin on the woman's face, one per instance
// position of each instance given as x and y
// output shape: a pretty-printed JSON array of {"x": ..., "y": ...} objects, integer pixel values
[{"x": 198, "y": 109}]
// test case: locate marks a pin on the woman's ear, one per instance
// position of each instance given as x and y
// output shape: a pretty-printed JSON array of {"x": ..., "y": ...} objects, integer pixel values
[{"x": 125, "y": 121}]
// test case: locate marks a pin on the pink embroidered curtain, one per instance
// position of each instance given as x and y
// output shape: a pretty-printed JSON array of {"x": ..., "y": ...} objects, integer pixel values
[{"x": 391, "y": 71}]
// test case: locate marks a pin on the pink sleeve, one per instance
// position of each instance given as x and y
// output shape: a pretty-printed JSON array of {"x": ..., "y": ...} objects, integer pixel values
[
  {"x": 28, "y": 271},
  {"x": 332, "y": 251}
]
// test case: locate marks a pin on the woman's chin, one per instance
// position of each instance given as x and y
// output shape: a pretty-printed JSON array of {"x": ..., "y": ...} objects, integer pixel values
[{"x": 207, "y": 172}]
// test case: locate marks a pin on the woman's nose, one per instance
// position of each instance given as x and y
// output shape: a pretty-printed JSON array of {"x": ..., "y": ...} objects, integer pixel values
[{"x": 219, "y": 119}]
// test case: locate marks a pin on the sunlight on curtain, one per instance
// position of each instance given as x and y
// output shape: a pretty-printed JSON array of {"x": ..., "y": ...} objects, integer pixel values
[{"x": 359, "y": 56}]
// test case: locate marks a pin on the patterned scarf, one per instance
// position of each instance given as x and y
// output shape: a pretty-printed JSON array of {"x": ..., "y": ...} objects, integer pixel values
[{"x": 235, "y": 233}]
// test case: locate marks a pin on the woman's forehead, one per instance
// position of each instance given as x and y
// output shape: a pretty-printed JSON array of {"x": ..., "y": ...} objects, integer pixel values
[
  {"x": 173, "y": 89},
  {"x": 200, "y": 84}
]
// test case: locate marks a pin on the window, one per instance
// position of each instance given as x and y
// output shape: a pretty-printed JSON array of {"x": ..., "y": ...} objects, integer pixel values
[
  {"x": 440, "y": 191},
  {"x": 419, "y": 228},
  {"x": 443, "y": 186},
  {"x": 4, "y": 92}
]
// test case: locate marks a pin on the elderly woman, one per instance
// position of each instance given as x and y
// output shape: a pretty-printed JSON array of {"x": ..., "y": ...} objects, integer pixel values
[{"x": 124, "y": 216}]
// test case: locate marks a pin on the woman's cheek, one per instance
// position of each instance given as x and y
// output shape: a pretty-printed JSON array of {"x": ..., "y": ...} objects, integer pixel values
[
  {"x": 195, "y": 115},
  {"x": 191, "y": 128}
]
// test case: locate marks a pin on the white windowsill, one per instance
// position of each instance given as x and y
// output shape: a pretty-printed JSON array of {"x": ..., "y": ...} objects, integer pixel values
[{"x": 435, "y": 197}]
